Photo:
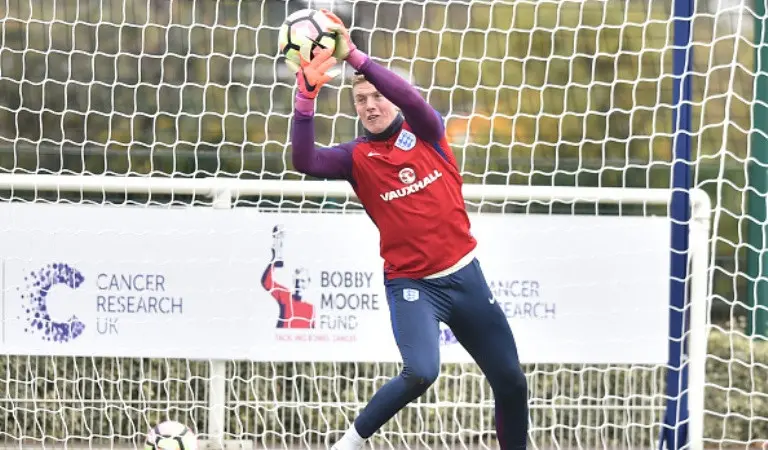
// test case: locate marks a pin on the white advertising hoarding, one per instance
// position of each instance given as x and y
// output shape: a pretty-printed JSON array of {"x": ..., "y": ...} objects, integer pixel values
[{"x": 214, "y": 284}]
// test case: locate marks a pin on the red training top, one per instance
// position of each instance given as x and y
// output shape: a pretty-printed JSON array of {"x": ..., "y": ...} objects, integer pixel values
[{"x": 406, "y": 178}]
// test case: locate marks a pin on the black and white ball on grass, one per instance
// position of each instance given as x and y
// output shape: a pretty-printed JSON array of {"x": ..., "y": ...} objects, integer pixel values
[
  {"x": 171, "y": 435},
  {"x": 302, "y": 33}
]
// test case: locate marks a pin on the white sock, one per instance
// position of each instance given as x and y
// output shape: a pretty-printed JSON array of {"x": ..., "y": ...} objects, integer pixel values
[{"x": 350, "y": 441}]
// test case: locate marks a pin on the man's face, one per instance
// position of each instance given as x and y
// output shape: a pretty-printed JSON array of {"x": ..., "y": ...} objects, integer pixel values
[{"x": 375, "y": 111}]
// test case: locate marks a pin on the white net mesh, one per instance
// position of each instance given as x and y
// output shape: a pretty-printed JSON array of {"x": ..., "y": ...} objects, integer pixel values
[{"x": 533, "y": 93}]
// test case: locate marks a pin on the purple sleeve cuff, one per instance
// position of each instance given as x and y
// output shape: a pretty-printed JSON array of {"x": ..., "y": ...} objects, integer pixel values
[
  {"x": 357, "y": 58},
  {"x": 304, "y": 105}
]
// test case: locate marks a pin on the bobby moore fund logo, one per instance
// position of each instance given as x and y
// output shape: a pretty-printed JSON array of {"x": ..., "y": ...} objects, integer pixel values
[
  {"x": 295, "y": 312},
  {"x": 333, "y": 310}
]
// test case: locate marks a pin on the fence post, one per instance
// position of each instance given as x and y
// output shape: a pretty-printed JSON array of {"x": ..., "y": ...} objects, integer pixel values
[
  {"x": 674, "y": 435},
  {"x": 217, "y": 387},
  {"x": 757, "y": 183}
]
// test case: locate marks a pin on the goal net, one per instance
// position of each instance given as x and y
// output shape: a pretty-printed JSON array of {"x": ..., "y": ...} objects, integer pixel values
[{"x": 151, "y": 211}]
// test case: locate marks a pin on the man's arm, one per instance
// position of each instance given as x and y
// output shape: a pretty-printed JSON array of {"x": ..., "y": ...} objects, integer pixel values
[
  {"x": 278, "y": 291},
  {"x": 425, "y": 121},
  {"x": 333, "y": 162}
]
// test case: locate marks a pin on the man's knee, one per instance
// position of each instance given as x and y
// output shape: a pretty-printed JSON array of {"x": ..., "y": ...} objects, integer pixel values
[
  {"x": 509, "y": 382},
  {"x": 419, "y": 377}
]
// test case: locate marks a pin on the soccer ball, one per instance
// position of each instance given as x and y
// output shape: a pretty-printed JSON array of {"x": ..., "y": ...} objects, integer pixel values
[
  {"x": 171, "y": 435},
  {"x": 302, "y": 33}
]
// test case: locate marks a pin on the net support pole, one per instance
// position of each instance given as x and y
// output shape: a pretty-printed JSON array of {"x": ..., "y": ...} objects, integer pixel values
[
  {"x": 217, "y": 387},
  {"x": 674, "y": 434},
  {"x": 223, "y": 190},
  {"x": 757, "y": 251},
  {"x": 700, "y": 308}
]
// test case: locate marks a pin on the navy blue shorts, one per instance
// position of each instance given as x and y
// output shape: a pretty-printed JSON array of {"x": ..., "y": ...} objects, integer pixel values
[{"x": 461, "y": 300}]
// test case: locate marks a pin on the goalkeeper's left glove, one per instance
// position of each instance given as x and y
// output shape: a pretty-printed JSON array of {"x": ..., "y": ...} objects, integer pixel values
[{"x": 312, "y": 75}]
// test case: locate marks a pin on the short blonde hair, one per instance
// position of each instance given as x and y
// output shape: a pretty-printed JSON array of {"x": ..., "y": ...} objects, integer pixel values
[{"x": 358, "y": 78}]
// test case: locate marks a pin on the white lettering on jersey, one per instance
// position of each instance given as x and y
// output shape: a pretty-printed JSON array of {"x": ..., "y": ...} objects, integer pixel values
[
  {"x": 412, "y": 188},
  {"x": 406, "y": 141}
]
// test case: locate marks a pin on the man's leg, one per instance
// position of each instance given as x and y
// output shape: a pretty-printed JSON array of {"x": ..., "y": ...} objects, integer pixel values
[
  {"x": 482, "y": 328},
  {"x": 416, "y": 331}
]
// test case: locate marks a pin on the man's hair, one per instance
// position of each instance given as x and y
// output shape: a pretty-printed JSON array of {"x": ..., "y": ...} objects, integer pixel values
[{"x": 358, "y": 78}]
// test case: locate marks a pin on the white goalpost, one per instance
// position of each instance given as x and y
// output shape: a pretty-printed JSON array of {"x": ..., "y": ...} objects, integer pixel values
[
  {"x": 149, "y": 207},
  {"x": 221, "y": 406}
]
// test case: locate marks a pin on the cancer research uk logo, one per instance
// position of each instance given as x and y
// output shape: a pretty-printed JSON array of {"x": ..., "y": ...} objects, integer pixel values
[
  {"x": 38, "y": 318},
  {"x": 333, "y": 310},
  {"x": 446, "y": 336},
  {"x": 522, "y": 299},
  {"x": 99, "y": 302}
]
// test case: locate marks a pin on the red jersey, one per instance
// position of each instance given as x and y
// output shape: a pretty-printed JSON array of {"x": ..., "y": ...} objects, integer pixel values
[
  {"x": 406, "y": 178},
  {"x": 411, "y": 189}
]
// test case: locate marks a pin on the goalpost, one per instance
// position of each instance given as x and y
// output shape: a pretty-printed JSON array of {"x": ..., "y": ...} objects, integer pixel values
[
  {"x": 612, "y": 416},
  {"x": 147, "y": 188}
]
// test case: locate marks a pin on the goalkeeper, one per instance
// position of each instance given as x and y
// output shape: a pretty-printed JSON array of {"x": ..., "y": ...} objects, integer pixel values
[{"x": 406, "y": 177}]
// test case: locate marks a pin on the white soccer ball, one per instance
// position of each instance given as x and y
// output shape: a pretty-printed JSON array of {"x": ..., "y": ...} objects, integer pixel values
[
  {"x": 171, "y": 435},
  {"x": 302, "y": 33}
]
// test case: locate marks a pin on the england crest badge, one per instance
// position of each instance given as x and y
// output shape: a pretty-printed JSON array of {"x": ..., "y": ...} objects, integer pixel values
[
  {"x": 410, "y": 295},
  {"x": 406, "y": 141}
]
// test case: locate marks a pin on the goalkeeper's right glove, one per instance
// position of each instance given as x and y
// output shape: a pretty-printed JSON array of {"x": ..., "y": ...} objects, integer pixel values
[
  {"x": 344, "y": 45},
  {"x": 344, "y": 48},
  {"x": 311, "y": 76}
]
